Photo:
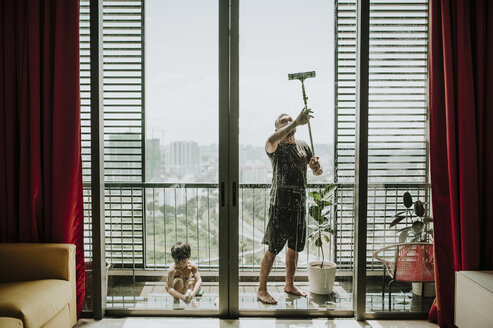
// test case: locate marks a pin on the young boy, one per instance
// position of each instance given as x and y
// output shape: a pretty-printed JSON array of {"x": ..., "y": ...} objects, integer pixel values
[{"x": 184, "y": 279}]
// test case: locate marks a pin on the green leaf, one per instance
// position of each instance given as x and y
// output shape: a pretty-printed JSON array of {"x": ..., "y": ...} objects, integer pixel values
[
  {"x": 403, "y": 236},
  {"x": 312, "y": 235},
  {"x": 327, "y": 189},
  {"x": 419, "y": 209},
  {"x": 318, "y": 242},
  {"x": 418, "y": 227},
  {"x": 404, "y": 229},
  {"x": 323, "y": 203},
  {"x": 407, "y": 199},
  {"x": 315, "y": 212},
  {"x": 398, "y": 214},
  {"x": 313, "y": 227},
  {"x": 315, "y": 195},
  {"x": 328, "y": 203},
  {"x": 326, "y": 238},
  {"x": 329, "y": 230},
  {"x": 329, "y": 197},
  {"x": 397, "y": 220}
]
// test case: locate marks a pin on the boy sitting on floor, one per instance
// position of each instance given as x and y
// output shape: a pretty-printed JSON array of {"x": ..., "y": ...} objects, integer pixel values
[{"x": 184, "y": 279}]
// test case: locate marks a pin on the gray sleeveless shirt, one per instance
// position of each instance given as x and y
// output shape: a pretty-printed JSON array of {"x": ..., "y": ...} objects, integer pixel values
[{"x": 289, "y": 163}]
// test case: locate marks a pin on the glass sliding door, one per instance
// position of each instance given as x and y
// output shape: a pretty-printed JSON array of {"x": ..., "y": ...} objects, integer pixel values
[
  {"x": 161, "y": 156},
  {"x": 277, "y": 238},
  {"x": 399, "y": 232}
]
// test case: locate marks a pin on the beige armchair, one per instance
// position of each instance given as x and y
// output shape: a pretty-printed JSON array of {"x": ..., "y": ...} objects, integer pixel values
[{"x": 37, "y": 285}]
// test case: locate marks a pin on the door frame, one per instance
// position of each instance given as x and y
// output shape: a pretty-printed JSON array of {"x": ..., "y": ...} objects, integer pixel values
[
  {"x": 228, "y": 158},
  {"x": 228, "y": 70}
]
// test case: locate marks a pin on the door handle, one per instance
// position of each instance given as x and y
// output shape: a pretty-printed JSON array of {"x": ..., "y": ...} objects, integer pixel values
[
  {"x": 234, "y": 193},
  {"x": 223, "y": 196}
]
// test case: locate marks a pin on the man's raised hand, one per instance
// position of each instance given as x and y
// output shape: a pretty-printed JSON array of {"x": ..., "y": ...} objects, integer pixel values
[{"x": 304, "y": 116}]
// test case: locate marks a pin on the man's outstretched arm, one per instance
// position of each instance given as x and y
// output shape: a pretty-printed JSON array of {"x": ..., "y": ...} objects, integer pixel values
[{"x": 273, "y": 140}]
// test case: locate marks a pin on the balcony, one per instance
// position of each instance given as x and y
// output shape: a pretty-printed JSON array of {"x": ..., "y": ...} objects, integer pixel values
[{"x": 143, "y": 221}]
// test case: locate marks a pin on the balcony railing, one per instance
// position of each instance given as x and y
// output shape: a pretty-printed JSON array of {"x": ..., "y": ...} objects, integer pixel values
[{"x": 143, "y": 221}]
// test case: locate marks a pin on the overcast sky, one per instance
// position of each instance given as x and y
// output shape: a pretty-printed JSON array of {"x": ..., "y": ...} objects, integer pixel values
[{"x": 277, "y": 37}]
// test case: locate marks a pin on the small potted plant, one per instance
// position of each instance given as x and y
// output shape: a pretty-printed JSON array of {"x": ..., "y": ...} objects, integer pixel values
[
  {"x": 321, "y": 274},
  {"x": 419, "y": 230}
]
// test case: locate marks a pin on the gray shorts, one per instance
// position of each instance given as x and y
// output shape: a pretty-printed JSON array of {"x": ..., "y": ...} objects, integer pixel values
[{"x": 285, "y": 225}]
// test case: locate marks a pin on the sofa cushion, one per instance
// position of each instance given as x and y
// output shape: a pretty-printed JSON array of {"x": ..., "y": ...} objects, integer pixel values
[
  {"x": 62, "y": 319},
  {"x": 10, "y": 323},
  {"x": 34, "y": 302}
]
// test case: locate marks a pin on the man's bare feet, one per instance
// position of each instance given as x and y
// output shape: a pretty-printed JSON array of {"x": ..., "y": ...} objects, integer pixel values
[
  {"x": 265, "y": 297},
  {"x": 294, "y": 291}
]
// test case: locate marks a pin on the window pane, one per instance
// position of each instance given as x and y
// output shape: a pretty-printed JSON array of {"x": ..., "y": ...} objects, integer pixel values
[
  {"x": 161, "y": 103},
  {"x": 278, "y": 38},
  {"x": 397, "y": 134}
]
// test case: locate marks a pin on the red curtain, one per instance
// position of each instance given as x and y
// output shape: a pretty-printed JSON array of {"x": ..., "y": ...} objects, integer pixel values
[
  {"x": 461, "y": 142},
  {"x": 40, "y": 149}
]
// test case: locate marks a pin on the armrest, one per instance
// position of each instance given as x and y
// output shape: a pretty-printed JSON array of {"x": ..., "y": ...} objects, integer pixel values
[
  {"x": 387, "y": 248},
  {"x": 23, "y": 262}
]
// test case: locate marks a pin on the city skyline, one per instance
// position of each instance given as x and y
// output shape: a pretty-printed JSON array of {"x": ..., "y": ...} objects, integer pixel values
[{"x": 187, "y": 161}]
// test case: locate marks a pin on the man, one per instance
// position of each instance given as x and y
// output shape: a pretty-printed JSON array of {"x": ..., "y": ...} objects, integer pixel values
[{"x": 289, "y": 159}]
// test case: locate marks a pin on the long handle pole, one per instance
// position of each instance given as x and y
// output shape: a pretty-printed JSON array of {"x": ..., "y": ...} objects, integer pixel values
[{"x": 306, "y": 108}]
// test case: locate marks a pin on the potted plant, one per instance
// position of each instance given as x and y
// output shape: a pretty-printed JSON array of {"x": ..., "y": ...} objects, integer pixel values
[
  {"x": 321, "y": 274},
  {"x": 419, "y": 230}
]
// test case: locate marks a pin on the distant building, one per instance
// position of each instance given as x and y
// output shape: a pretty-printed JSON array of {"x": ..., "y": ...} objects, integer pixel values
[
  {"x": 255, "y": 165},
  {"x": 153, "y": 160},
  {"x": 255, "y": 171},
  {"x": 183, "y": 158}
]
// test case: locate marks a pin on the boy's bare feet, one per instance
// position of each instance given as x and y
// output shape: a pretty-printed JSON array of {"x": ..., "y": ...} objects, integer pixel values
[
  {"x": 265, "y": 297},
  {"x": 294, "y": 291}
]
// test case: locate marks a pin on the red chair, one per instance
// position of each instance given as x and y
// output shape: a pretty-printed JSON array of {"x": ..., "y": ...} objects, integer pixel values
[{"x": 412, "y": 262}]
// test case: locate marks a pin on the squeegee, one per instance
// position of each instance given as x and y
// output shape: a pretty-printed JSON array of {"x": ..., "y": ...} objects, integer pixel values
[{"x": 302, "y": 77}]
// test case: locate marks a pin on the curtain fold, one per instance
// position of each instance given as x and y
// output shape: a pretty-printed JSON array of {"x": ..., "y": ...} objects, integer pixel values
[
  {"x": 40, "y": 141},
  {"x": 461, "y": 142}
]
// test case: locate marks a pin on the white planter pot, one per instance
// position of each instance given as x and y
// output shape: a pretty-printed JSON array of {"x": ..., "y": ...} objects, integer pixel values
[
  {"x": 321, "y": 279},
  {"x": 428, "y": 290}
]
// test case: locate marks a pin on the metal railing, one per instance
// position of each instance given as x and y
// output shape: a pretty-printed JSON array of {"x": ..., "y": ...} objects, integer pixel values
[{"x": 143, "y": 221}]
